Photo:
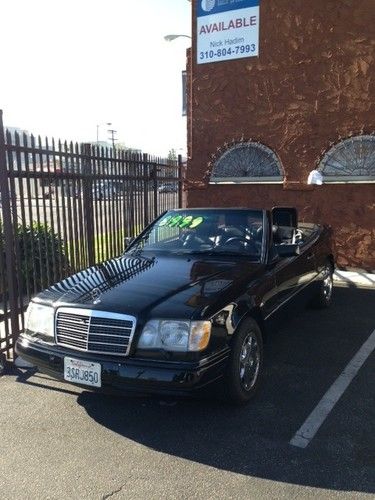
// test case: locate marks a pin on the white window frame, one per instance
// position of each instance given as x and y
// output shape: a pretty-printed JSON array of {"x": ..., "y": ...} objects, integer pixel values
[
  {"x": 276, "y": 179},
  {"x": 345, "y": 179}
]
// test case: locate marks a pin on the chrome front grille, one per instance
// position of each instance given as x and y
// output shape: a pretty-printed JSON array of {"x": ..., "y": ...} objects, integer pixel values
[{"x": 94, "y": 331}]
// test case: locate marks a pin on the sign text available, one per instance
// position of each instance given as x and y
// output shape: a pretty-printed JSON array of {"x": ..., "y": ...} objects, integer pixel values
[{"x": 227, "y": 29}]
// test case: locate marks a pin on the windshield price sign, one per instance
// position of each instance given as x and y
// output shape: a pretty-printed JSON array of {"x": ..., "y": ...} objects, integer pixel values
[{"x": 227, "y": 29}]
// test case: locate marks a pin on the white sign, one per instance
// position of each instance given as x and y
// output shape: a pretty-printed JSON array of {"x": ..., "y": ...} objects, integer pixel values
[{"x": 227, "y": 29}]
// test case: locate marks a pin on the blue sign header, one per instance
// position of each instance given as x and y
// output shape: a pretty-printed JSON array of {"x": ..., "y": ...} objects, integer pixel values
[{"x": 210, "y": 7}]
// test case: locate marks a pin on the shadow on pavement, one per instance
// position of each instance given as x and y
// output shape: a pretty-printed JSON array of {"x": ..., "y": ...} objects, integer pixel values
[{"x": 302, "y": 360}]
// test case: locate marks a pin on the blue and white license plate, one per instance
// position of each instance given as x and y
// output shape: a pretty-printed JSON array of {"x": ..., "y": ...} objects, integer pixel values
[{"x": 82, "y": 372}]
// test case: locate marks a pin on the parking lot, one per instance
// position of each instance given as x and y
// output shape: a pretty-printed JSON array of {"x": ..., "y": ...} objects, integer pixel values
[{"x": 58, "y": 441}]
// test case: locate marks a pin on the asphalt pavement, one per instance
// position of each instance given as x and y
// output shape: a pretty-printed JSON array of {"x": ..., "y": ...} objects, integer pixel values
[{"x": 59, "y": 442}]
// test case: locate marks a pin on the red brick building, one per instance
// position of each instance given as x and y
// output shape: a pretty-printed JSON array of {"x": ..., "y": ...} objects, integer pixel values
[{"x": 258, "y": 126}]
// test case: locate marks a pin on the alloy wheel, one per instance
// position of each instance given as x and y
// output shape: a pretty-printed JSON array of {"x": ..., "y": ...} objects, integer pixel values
[{"x": 249, "y": 361}]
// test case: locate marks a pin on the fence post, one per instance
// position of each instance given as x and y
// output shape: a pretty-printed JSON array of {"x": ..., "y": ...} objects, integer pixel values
[
  {"x": 154, "y": 175},
  {"x": 180, "y": 181},
  {"x": 6, "y": 214},
  {"x": 146, "y": 177},
  {"x": 88, "y": 210}
]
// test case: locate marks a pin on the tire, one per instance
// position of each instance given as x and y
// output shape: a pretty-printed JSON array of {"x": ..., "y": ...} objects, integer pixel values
[
  {"x": 323, "y": 297},
  {"x": 245, "y": 367},
  {"x": 3, "y": 364}
]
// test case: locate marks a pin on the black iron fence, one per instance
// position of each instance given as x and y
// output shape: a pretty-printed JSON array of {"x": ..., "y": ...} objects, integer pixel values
[{"x": 66, "y": 206}]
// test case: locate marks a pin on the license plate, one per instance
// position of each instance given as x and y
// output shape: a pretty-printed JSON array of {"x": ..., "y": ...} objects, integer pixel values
[{"x": 82, "y": 372}]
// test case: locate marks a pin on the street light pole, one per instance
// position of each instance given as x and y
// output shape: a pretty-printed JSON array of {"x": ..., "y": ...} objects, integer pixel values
[{"x": 170, "y": 38}]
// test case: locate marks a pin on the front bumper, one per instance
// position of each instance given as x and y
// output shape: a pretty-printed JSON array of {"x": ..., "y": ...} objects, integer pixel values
[{"x": 129, "y": 374}]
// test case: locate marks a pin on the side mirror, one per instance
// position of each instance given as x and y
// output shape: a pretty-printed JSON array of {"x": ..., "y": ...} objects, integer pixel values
[
  {"x": 288, "y": 250},
  {"x": 128, "y": 240}
]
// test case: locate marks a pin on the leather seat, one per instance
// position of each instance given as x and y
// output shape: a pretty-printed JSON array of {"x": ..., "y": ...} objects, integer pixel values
[{"x": 282, "y": 234}]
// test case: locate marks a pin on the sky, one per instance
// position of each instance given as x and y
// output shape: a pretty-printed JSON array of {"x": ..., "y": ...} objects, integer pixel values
[{"x": 67, "y": 66}]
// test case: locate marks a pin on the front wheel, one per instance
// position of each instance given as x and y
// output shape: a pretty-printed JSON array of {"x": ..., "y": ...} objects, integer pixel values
[{"x": 245, "y": 363}]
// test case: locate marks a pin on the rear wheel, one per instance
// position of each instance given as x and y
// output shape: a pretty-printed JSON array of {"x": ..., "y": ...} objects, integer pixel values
[
  {"x": 245, "y": 363},
  {"x": 323, "y": 297}
]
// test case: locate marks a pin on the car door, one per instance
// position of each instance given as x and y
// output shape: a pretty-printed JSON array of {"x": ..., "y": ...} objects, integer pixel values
[
  {"x": 287, "y": 278},
  {"x": 294, "y": 274}
]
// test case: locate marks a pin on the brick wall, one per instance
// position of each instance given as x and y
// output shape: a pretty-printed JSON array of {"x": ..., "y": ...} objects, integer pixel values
[{"x": 313, "y": 84}]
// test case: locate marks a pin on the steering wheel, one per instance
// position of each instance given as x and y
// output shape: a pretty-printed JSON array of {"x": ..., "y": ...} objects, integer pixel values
[
  {"x": 248, "y": 243},
  {"x": 236, "y": 238}
]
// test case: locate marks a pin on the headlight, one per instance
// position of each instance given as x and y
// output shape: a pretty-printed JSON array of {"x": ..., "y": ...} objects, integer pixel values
[
  {"x": 40, "y": 320},
  {"x": 174, "y": 335},
  {"x": 150, "y": 335}
]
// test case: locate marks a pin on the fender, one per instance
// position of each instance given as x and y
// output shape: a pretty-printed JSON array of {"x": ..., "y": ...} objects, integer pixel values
[{"x": 234, "y": 314}]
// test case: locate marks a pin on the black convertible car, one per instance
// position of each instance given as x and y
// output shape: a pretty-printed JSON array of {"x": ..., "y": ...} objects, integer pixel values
[{"x": 189, "y": 303}]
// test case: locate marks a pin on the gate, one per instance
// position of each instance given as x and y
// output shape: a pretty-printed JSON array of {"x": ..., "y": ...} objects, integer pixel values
[{"x": 66, "y": 206}]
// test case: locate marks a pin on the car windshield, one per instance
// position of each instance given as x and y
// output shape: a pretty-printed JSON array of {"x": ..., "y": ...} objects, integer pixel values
[{"x": 211, "y": 232}]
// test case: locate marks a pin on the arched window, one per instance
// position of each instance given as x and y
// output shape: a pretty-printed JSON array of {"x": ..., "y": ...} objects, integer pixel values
[
  {"x": 350, "y": 160},
  {"x": 247, "y": 162}
]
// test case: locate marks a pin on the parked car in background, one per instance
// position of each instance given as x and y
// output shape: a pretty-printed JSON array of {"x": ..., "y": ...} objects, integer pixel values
[
  {"x": 169, "y": 187},
  {"x": 104, "y": 190},
  {"x": 190, "y": 303}
]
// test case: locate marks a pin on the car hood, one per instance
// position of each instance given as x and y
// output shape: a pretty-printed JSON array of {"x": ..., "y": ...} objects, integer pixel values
[{"x": 162, "y": 286}]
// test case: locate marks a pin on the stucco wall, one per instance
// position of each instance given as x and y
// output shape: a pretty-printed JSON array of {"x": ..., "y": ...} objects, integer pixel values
[{"x": 313, "y": 84}]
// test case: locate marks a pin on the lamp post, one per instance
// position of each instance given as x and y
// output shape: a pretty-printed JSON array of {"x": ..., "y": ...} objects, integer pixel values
[
  {"x": 170, "y": 38},
  {"x": 97, "y": 130}
]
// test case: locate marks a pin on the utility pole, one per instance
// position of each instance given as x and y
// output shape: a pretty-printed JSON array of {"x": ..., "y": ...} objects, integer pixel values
[
  {"x": 97, "y": 130},
  {"x": 112, "y": 138}
]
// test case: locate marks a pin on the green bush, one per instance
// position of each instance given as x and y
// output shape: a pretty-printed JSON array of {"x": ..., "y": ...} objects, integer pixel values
[{"x": 41, "y": 256}]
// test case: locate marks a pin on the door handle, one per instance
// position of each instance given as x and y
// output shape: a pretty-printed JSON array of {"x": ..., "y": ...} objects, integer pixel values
[{"x": 310, "y": 256}]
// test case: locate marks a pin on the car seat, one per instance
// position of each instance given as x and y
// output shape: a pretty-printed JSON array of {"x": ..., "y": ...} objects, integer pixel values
[{"x": 283, "y": 234}]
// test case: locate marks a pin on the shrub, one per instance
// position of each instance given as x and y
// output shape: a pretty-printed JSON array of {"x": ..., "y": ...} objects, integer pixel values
[{"x": 41, "y": 255}]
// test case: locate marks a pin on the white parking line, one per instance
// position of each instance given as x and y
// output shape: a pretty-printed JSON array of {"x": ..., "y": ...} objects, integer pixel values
[{"x": 316, "y": 418}]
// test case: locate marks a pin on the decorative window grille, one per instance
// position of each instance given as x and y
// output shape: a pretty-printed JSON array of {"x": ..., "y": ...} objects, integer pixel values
[
  {"x": 247, "y": 162},
  {"x": 350, "y": 160}
]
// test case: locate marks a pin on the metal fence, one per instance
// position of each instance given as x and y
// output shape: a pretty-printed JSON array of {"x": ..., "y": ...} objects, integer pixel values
[{"x": 66, "y": 206}]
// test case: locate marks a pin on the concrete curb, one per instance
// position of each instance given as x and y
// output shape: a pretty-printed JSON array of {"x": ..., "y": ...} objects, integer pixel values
[{"x": 357, "y": 279}]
